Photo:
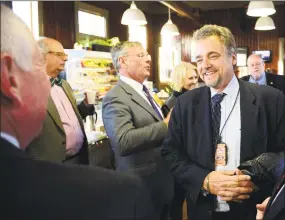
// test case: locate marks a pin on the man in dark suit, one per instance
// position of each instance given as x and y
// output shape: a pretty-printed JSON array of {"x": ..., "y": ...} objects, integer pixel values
[
  {"x": 216, "y": 127},
  {"x": 257, "y": 74},
  {"x": 135, "y": 126},
  {"x": 63, "y": 138},
  {"x": 37, "y": 189},
  {"x": 273, "y": 208}
]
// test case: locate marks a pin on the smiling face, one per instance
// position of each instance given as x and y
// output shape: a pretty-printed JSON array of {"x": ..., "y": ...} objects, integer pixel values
[
  {"x": 191, "y": 79},
  {"x": 214, "y": 64},
  {"x": 135, "y": 63}
]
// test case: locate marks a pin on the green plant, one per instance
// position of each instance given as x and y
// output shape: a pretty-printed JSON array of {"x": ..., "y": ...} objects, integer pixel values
[{"x": 100, "y": 42}]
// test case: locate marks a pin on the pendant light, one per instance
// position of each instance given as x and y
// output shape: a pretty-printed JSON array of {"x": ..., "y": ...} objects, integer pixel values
[
  {"x": 169, "y": 28},
  {"x": 133, "y": 16},
  {"x": 260, "y": 8},
  {"x": 264, "y": 24}
]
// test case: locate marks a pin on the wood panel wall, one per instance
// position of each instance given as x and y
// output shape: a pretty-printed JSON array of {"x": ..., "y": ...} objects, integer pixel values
[
  {"x": 58, "y": 22},
  {"x": 242, "y": 26}
]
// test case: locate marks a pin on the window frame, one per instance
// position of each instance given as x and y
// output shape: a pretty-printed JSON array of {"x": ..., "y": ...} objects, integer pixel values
[{"x": 80, "y": 6}]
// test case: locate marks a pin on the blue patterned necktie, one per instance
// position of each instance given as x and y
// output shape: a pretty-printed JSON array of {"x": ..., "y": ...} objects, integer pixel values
[
  {"x": 150, "y": 99},
  {"x": 216, "y": 116},
  {"x": 56, "y": 81}
]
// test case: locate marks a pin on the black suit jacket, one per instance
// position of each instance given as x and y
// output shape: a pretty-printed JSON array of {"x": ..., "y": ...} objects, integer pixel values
[
  {"x": 276, "y": 210},
  {"x": 34, "y": 189},
  {"x": 188, "y": 145},
  {"x": 275, "y": 81}
]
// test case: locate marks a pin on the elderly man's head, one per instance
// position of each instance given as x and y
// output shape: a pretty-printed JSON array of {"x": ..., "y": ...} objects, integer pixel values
[
  {"x": 255, "y": 65},
  {"x": 131, "y": 60},
  {"x": 54, "y": 55},
  {"x": 24, "y": 85}
]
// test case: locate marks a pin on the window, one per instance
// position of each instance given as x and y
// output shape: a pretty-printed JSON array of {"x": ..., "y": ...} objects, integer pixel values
[
  {"x": 91, "y": 24},
  {"x": 91, "y": 21},
  {"x": 138, "y": 33},
  {"x": 28, "y": 11}
]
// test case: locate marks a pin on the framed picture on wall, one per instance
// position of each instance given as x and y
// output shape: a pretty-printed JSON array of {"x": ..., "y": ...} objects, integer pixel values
[{"x": 241, "y": 56}]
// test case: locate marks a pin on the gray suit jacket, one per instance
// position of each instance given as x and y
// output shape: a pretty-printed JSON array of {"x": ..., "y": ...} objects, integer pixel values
[{"x": 136, "y": 133}]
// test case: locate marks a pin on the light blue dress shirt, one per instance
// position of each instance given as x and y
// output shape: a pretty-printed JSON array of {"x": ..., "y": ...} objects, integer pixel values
[{"x": 260, "y": 81}]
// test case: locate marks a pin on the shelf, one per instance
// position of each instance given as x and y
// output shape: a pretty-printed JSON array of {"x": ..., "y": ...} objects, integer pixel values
[
  {"x": 87, "y": 54},
  {"x": 97, "y": 69}
]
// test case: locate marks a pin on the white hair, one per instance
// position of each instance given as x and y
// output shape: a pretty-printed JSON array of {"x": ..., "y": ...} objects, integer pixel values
[{"x": 16, "y": 39}]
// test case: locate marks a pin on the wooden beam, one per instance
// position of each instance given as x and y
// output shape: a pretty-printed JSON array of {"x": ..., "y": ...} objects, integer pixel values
[{"x": 175, "y": 7}]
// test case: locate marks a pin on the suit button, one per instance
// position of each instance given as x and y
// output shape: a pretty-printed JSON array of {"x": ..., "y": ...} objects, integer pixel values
[{"x": 210, "y": 213}]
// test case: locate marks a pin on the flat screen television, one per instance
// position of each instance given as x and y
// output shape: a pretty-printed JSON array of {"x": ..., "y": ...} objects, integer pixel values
[{"x": 266, "y": 55}]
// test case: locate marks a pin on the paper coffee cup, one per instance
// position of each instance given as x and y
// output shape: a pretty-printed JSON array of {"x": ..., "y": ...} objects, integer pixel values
[{"x": 91, "y": 97}]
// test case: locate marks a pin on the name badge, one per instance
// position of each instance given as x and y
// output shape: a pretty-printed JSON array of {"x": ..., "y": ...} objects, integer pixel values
[{"x": 221, "y": 155}]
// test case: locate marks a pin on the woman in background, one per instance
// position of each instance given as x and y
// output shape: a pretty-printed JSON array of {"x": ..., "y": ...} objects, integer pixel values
[{"x": 184, "y": 77}]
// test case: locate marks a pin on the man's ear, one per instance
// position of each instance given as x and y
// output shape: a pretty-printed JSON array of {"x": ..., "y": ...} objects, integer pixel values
[
  {"x": 234, "y": 59},
  {"x": 10, "y": 90},
  {"x": 122, "y": 61}
]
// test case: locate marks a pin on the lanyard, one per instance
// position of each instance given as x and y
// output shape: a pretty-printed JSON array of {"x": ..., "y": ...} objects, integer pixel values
[{"x": 220, "y": 137}]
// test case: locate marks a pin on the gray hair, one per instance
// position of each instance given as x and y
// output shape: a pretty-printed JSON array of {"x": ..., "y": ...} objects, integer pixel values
[
  {"x": 224, "y": 34},
  {"x": 16, "y": 39},
  {"x": 120, "y": 50},
  {"x": 43, "y": 46}
]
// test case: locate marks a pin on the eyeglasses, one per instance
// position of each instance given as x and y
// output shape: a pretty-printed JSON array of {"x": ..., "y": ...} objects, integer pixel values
[
  {"x": 141, "y": 55},
  {"x": 59, "y": 54}
]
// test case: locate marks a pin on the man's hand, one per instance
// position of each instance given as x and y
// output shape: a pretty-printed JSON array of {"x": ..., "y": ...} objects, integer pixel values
[
  {"x": 228, "y": 186},
  {"x": 261, "y": 208},
  {"x": 166, "y": 120},
  {"x": 238, "y": 191}
]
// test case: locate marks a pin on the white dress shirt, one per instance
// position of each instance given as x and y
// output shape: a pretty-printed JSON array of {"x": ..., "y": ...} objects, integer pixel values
[
  {"x": 231, "y": 134},
  {"x": 138, "y": 87},
  {"x": 10, "y": 139}
]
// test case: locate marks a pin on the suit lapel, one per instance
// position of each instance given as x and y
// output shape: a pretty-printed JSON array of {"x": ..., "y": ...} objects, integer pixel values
[
  {"x": 51, "y": 109},
  {"x": 202, "y": 122},
  {"x": 270, "y": 80},
  {"x": 138, "y": 99},
  {"x": 249, "y": 115}
]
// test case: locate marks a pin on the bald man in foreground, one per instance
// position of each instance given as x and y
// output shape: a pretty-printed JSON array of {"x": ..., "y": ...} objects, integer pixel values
[
  {"x": 36, "y": 189},
  {"x": 257, "y": 74},
  {"x": 63, "y": 138}
]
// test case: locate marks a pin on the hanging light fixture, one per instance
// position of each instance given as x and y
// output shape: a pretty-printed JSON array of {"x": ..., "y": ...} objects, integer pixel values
[
  {"x": 260, "y": 8},
  {"x": 169, "y": 28},
  {"x": 264, "y": 24},
  {"x": 133, "y": 16}
]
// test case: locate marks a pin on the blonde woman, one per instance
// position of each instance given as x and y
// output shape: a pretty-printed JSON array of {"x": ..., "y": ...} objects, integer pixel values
[{"x": 184, "y": 77}]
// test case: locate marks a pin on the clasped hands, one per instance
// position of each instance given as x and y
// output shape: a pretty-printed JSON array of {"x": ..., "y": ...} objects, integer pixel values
[{"x": 229, "y": 185}]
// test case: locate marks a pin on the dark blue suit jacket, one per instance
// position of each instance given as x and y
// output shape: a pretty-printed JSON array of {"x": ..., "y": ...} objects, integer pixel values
[
  {"x": 188, "y": 145},
  {"x": 36, "y": 189}
]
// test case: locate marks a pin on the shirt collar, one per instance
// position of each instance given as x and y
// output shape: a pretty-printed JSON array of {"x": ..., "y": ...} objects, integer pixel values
[
  {"x": 134, "y": 84},
  {"x": 260, "y": 81},
  {"x": 10, "y": 139},
  {"x": 231, "y": 89}
]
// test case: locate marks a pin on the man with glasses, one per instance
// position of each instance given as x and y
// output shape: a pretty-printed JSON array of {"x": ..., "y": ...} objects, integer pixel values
[
  {"x": 63, "y": 138},
  {"x": 135, "y": 124},
  {"x": 258, "y": 75}
]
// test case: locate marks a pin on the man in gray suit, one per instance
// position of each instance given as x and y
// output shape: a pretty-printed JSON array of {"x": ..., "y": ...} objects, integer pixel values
[{"x": 135, "y": 125}]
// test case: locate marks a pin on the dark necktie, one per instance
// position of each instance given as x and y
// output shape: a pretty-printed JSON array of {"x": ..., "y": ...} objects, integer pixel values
[
  {"x": 216, "y": 116},
  {"x": 150, "y": 99},
  {"x": 56, "y": 81}
]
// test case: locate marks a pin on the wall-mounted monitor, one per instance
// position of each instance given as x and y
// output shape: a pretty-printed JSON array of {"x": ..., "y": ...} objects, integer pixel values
[{"x": 266, "y": 55}]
